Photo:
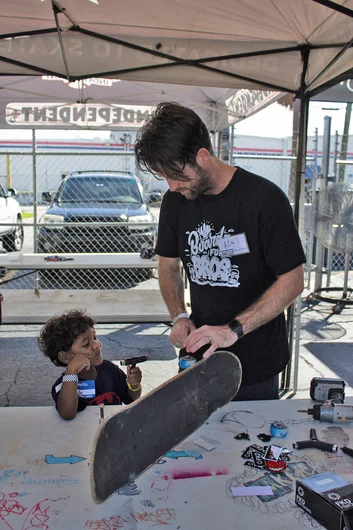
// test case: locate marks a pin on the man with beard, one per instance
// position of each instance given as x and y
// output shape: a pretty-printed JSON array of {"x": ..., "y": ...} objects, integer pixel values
[{"x": 236, "y": 237}]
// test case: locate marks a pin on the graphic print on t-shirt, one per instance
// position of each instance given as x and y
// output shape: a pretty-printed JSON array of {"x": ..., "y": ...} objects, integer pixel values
[{"x": 206, "y": 265}]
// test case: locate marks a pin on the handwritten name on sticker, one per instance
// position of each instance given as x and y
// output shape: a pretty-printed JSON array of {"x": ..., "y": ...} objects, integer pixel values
[{"x": 233, "y": 245}]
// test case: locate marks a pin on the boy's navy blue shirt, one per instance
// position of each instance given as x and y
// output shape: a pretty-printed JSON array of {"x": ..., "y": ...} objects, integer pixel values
[{"x": 111, "y": 387}]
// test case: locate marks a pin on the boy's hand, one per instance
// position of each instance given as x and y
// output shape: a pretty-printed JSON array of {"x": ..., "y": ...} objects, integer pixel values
[
  {"x": 134, "y": 375},
  {"x": 78, "y": 363}
]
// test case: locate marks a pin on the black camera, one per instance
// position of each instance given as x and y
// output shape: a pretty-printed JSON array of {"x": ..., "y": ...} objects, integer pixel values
[{"x": 327, "y": 389}]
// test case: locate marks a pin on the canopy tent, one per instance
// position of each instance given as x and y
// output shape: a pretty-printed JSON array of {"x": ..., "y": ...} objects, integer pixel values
[{"x": 286, "y": 45}]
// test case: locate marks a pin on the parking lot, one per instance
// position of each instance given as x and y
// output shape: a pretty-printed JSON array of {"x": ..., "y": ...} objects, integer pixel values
[{"x": 95, "y": 279}]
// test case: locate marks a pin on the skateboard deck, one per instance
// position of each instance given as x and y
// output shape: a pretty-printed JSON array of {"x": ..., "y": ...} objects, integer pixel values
[{"x": 138, "y": 435}]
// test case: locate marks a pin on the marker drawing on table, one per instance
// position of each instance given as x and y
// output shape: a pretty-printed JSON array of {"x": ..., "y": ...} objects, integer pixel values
[
  {"x": 7, "y": 474},
  {"x": 161, "y": 516},
  {"x": 245, "y": 418},
  {"x": 23, "y": 476},
  {"x": 52, "y": 481},
  {"x": 19, "y": 516},
  {"x": 162, "y": 483},
  {"x": 184, "y": 454},
  {"x": 60, "y": 499},
  {"x": 129, "y": 490},
  {"x": 148, "y": 504},
  {"x": 179, "y": 474},
  {"x": 50, "y": 459}
]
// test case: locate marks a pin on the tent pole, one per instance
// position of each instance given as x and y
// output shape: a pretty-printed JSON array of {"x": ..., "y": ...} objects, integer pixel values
[
  {"x": 294, "y": 310},
  {"x": 301, "y": 158},
  {"x": 300, "y": 117}
]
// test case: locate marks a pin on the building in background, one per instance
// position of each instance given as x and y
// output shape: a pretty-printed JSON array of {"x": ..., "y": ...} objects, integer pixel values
[{"x": 54, "y": 158}]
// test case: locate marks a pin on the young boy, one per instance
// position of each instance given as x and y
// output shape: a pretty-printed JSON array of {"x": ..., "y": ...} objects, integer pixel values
[{"x": 69, "y": 340}]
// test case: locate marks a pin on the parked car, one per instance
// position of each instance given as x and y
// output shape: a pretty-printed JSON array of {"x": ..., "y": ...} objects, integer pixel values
[
  {"x": 11, "y": 229},
  {"x": 109, "y": 205},
  {"x": 156, "y": 196}
]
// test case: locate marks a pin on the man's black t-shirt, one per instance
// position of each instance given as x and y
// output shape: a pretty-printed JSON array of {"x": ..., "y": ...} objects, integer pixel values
[
  {"x": 111, "y": 387},
  {"x": 233, "y": 246}
]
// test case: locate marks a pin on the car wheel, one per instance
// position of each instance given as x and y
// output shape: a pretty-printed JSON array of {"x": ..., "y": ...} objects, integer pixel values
[{"x": 14, "y": 241}]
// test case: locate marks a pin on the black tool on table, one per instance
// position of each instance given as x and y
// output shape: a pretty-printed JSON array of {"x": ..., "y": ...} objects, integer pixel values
[
  {"x": 315, "y": 444},
  {"x": 347, "y": 450}
]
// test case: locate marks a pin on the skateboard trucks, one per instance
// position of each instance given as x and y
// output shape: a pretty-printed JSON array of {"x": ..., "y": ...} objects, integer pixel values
[{"x": 315, "y": 443}]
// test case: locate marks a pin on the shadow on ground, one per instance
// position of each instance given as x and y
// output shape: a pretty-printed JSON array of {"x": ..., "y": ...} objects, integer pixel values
[{"x": 335, "y": 355}]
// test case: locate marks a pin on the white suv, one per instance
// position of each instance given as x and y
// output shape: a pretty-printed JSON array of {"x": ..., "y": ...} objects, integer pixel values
[{"x": 11, "y": 229}]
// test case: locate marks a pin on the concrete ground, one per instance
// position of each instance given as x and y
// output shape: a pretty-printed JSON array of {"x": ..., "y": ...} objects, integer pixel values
[{"x": 326, "y": 350}]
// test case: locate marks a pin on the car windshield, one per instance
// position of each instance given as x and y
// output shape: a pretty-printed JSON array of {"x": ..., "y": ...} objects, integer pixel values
[{"x": 99, "y": 189}]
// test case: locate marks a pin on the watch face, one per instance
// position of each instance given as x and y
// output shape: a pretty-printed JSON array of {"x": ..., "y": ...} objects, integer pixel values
[{"x": 235, "y": 326}]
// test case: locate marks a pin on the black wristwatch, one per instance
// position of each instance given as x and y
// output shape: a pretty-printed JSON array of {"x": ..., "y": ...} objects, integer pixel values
[{"x": 234, "y": 325}]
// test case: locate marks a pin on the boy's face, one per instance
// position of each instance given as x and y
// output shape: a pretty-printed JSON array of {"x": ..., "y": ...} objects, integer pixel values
[{"x": 89, "y": 346}]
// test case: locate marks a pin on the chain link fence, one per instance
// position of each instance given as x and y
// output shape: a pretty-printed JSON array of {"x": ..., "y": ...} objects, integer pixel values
[
  {"x": 98, "y": 213},
  {"x": 84, "y": 202},
  {"x": 329, "y": 271}
]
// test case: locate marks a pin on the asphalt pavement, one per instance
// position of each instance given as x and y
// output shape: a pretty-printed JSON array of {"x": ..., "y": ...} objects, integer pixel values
[
  {"x": 325, "y": 350},
  {"x": 27, "y": 376}
]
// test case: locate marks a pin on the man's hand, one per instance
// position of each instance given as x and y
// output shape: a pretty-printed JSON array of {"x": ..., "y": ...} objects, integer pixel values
[
  {"x": 180, "y": 331},
  {"x": 78, "y": 363},
  {"x": 217, "y": 336}
]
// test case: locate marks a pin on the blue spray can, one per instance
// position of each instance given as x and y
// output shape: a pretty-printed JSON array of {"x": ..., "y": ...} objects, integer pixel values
[{"x": 186, "y": 361}]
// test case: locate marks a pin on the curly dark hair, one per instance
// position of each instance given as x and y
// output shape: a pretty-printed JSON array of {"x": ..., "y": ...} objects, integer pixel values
[
  {"x": 169, "y": 140},
  {"x": 59, "y": 333}
]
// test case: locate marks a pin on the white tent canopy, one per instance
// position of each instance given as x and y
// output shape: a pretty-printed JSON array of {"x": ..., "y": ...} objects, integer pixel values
[{"x": 284, "y": 45}]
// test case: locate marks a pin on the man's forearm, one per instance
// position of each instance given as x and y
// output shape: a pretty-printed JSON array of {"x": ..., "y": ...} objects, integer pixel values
[
  {"x": 171, "y": 285},
  {"x": 274, "y": 300}
]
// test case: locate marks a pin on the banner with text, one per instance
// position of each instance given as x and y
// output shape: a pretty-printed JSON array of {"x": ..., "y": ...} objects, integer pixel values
[{"x": 76, "y": 115}]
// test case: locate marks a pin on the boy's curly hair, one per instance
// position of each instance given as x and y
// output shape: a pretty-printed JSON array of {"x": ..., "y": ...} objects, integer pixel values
[{"x": 59, "y": 333}]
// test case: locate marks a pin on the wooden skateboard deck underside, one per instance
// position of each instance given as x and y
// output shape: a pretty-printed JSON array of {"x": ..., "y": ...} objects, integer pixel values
[{"x": 138, "y": 435}]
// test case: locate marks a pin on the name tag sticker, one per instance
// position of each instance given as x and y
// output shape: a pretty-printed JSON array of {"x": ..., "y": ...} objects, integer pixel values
[
  {"x": 86, "y": 389},
  {"x": 233, "y": 245}
]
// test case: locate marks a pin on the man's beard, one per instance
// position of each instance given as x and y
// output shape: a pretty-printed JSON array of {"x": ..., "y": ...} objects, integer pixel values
[{"x": 204, "y": 184}]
